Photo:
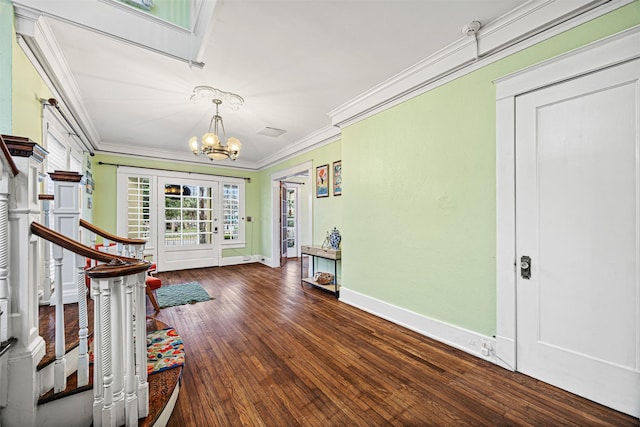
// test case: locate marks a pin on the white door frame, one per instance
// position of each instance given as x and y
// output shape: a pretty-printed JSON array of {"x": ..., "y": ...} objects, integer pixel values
[
  {"x": 276, "y": 177},
  {"x": 607, "y": 52}
]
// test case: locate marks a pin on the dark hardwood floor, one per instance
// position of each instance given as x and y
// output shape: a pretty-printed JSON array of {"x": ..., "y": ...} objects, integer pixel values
[{"x": 268, "y": 352}]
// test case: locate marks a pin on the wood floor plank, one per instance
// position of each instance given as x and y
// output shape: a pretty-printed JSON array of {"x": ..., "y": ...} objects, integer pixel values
[{"x": 269, "y": 352}]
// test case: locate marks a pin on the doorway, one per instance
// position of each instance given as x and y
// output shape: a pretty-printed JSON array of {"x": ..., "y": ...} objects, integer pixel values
[
  {"x": 568, "y": 202},
  {"x": 188, "y": 226},
  {"x": 293, "y": 247},
  {"x": 299, "y": 178}
]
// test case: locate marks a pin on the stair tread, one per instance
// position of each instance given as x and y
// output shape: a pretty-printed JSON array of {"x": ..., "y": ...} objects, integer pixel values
[{"x": 72, "y": 388}]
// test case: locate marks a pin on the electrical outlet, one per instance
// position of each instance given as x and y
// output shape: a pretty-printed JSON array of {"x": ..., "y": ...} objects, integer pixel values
[{"x": 486, "y": 348}]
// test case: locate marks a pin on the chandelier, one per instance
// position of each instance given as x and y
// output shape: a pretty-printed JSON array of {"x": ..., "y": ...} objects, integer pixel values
[{"x": 213, "y": 144}]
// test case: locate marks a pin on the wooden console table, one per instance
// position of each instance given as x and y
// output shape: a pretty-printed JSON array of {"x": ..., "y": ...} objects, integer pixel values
[{"x": 320, "y": 252}]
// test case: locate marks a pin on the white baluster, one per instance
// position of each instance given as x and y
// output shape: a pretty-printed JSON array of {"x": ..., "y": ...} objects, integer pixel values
[
  {"x": 83, "y": 324},
  {"x": 59, "y": 377},
  {"x": 4, "y": 268},
  {"x": 47, "y": 281},
  {"x": 141, "y": 346},
  {"x": 131, "y": 390},
  {"x": 117, "y": 336},
  {"x": 108, "y": 414},
  {"x": 98, "y": 371}
]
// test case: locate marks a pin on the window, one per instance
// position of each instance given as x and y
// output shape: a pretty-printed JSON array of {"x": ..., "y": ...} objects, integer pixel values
[
  {"x": 188, "y": 215},
  {"x": 138, "y": 207},
  {"x": 232, "y": 213}
]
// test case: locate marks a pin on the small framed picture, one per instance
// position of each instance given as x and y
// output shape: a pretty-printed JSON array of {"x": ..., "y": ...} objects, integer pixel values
[
  {"x": 322, "y": 181},
  {"x": 337, "y": 178}
]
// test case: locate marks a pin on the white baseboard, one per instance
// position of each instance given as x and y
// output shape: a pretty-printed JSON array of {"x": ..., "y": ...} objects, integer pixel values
[
  {"x": 463, "y": 339},
  {"x": 235, "y": 260},
  {"x": 267, "y": 261}
]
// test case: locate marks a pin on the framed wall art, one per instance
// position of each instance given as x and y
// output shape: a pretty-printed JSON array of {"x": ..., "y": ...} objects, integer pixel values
[
  {"x": 322, "y": 181},
  {"x": 337, "y": 178}
]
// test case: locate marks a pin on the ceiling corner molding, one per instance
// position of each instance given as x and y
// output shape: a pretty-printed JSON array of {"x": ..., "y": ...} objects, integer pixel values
[
  {"x": 42, "y": 49},
  {"x": 531, "y": 23},
  {"x": 317, "y": 139}
]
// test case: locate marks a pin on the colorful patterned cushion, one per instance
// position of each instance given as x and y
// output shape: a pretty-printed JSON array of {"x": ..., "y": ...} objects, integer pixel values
[{"x": 165, "y": 350}]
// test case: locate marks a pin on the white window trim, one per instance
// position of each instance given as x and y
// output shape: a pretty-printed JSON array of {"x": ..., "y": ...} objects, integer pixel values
[{"x": 242, "y": 239}]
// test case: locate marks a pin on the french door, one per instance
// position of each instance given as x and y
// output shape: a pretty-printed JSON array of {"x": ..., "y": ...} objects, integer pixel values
[
  {"x": 188, "y": 224},
  {"x": 578, "y": 236},
  {"x": 283, "y": 224}
]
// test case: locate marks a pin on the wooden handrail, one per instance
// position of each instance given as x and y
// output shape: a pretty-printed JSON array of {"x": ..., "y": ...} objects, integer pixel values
[
  {"x": 75, "y": 247},
  {"x": 117, "y": 268},
  {"x": 8, "y": 156},
  {"x": 112, "y": 237}
]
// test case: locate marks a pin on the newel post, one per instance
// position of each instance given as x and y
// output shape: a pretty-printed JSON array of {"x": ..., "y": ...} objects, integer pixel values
[
  {"x": 66, "y": 217},
  {"x": 24, "y": 208}
]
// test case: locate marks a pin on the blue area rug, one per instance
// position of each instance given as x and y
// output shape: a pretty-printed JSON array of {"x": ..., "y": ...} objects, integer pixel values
[{"x": 183, "y": 293}]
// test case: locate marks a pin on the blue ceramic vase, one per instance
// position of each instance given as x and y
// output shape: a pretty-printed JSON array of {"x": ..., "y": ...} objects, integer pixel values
[{"x": 335, "y": 238}]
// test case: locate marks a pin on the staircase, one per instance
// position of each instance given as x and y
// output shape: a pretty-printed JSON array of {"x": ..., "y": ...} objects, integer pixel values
[
  {"x": 164, "y": 386},
  {"x": 45, "y": 375}
]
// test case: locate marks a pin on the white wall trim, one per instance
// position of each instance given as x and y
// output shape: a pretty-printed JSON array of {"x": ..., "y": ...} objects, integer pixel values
[
  {"x": 265, "y": 260},
  {"x": 517, "y": 30},
  {"x": 463, "y": 339},
  {"x": 275, "y": 205},
  {"x": 607, "y": 52},
  {"x": 241, "y": 259}
]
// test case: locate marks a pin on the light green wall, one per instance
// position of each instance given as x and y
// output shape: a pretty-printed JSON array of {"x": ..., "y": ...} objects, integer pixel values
[
  {"x": 6, "y": 52},
  {"x": 327, "y": 211},
  {"x": 419, "y": 215},
  {"x": 104, "y": 196},
  {"x": 27, "y": 90}
]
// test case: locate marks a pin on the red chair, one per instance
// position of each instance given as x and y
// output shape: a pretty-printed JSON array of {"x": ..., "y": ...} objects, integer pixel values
[{"x": 153, "y": 283}]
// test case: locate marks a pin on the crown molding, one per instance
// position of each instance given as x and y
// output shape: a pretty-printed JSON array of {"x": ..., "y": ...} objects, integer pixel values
[
  {"x": 317, "y": 139},
  {"x": 531, "y": 23},
  {"x": 37, "y": 40}
]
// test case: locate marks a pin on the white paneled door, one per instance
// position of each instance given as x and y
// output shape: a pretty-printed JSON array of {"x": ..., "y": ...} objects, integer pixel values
[
  {"x": 577, "y": 219},
  {"x": 188, "y": 224}
]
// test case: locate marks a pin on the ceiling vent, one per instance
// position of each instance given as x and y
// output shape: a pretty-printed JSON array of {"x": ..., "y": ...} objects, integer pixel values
[{"x": 272, "y": 132}]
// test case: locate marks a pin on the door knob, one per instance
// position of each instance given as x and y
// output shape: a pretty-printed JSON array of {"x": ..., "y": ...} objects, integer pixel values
[{"x": 525, "y": 267}]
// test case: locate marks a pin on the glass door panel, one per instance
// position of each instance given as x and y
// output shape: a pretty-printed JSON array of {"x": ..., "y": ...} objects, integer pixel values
[{"x": 188, "y": 235}]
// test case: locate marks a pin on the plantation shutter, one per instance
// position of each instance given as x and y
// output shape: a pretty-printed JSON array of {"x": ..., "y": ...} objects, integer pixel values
[{"x": 138, "y": 207}]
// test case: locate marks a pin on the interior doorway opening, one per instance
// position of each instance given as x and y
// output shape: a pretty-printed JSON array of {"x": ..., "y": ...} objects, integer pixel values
[{"x": 289, "y": 232}]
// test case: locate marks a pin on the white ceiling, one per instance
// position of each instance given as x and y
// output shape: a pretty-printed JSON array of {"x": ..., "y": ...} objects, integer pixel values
[{"x": 292, "y": 61}]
